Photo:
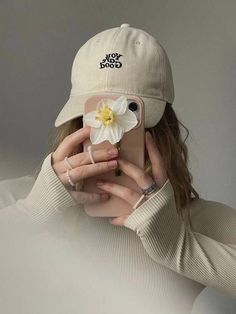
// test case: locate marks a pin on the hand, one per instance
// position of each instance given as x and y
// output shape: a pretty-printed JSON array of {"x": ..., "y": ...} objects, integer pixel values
[
  {"x": 81, "y": 164},
  {"x": 142, "y": 179}
]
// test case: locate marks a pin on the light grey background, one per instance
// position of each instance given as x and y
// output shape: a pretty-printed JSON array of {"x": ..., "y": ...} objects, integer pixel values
[{"x": 39, "y": 40}]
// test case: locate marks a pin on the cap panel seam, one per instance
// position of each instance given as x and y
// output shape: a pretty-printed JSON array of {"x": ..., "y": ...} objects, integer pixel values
[
  {"x": 161, "y": 72},
  {"x": 165, "y": 80},
  {"x": 111, "y": 48},
  {"x": 158, "y": 59}
]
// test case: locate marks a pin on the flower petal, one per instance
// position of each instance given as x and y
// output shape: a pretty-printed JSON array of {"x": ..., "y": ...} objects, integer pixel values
[
  {"x": 112, "y": 133},
  {"x": 127, "y": 121},
  {"x": 104, "y": 102},
  {"x": 120, "y": 105},
  {"x": 89, "y": 119}
]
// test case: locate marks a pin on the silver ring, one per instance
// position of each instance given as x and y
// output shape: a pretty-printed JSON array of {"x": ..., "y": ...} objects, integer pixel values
[
  {"x": 90, "y": 154},
  {"x": 68, "y": 165},
  {"x": 151, "y": 189},
  {"x": 69, "y": 179}
]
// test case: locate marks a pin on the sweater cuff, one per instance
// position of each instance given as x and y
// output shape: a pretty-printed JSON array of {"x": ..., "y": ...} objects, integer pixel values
[
  {"x": 48, "y": 195},
  {"x": 138, "y": 220}
]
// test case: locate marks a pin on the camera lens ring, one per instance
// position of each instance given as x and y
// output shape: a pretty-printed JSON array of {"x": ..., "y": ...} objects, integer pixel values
[{"x": 133, "y": 106}]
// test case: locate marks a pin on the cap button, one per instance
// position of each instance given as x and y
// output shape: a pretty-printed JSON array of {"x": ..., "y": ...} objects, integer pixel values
[{"x": 125, "y": 25}]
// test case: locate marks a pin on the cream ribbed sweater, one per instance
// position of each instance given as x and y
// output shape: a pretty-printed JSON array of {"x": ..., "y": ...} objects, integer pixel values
[{"x": 156, "y": 263}]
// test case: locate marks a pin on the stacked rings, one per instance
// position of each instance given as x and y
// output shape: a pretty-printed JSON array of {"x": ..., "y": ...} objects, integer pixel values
[{"x": 69, "y": 167}]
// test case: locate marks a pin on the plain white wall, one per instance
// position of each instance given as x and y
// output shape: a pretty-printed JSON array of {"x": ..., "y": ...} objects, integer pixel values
[{"x": 39, "y": 41}]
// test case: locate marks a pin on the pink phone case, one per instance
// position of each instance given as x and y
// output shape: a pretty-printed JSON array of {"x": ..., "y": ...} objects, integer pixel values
[{"x": 132, "y": 148}]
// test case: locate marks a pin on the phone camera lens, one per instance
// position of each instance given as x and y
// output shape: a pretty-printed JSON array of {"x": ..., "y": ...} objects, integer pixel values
[{"x": 133, "y": 106}]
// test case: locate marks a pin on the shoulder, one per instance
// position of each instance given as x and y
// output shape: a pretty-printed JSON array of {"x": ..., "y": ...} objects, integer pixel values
[
  {"x": 213, "y": 218},
  {"x": 208, "y": 207}
]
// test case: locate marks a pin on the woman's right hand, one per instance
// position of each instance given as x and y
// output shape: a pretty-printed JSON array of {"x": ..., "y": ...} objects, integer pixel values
[{"x": 81, "y": 164}]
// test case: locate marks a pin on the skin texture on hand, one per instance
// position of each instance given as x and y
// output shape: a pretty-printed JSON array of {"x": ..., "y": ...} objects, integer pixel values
[{"x": 142, "y": 179}]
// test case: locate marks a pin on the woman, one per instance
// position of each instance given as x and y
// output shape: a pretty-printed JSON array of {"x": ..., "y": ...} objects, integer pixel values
[{"x": 160, "y": 255}]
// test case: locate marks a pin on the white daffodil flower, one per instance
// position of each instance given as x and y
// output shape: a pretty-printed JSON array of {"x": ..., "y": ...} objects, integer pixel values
[{"x": 110, "y": 120}]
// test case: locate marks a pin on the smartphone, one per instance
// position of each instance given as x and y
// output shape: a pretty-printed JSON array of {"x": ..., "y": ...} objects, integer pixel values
[{"x": 132, "y": 148}]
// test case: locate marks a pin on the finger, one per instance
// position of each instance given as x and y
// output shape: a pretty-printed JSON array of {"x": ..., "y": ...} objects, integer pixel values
[
  {"x": 70, "y": 142},
  {"x": 87, "y": 171},
  {"x": 123, "y": 192},
  {"x": 83, "y": 197},
  {"x": 84, "y": 159},
  {"x": 142, "y": 179},
  {"x": 157, "y": 163}
]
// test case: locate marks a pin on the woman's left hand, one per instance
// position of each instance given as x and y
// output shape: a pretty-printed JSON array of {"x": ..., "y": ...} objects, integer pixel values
[{"x": 142, "y": 179}]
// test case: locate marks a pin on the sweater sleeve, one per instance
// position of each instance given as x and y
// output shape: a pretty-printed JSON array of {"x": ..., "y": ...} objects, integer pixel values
[
  {"x": 47, "y": 200},
  {"x": 202, "y": 247}
]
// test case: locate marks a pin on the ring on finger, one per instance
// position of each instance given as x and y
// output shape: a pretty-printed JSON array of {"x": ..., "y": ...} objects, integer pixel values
[
  {"x": 69, "y": 178},
  {"x": 146, "y": 192},
  {"x": 68, "y": 168},
  {"x": 91, "y": 154},
  {"x": 150, "y": 189},
  {"x": 67, "y": 163}
]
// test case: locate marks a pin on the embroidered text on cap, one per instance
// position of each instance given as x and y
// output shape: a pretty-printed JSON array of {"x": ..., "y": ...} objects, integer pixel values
[{"x": 111, "y": 60}]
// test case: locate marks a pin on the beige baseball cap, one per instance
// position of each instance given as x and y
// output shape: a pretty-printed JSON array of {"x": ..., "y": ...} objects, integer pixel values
[{"x": 121, "y": 61}]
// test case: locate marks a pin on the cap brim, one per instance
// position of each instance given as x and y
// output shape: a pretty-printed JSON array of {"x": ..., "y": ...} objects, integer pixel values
[{"x": 74, "y": 108}]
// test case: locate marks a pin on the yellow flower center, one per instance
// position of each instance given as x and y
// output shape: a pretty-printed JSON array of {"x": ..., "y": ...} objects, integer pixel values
[{"x": 105, "y": 115}]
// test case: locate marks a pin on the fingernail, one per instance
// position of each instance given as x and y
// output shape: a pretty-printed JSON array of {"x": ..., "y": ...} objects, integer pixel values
[{"x": 112, "y": 163}]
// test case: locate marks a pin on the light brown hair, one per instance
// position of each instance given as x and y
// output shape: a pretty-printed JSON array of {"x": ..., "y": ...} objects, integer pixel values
[{"x": 172, "y": 147}]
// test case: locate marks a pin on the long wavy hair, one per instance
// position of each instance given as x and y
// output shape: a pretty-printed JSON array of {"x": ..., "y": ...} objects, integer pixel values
[{"x": 172, "y": 147}]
